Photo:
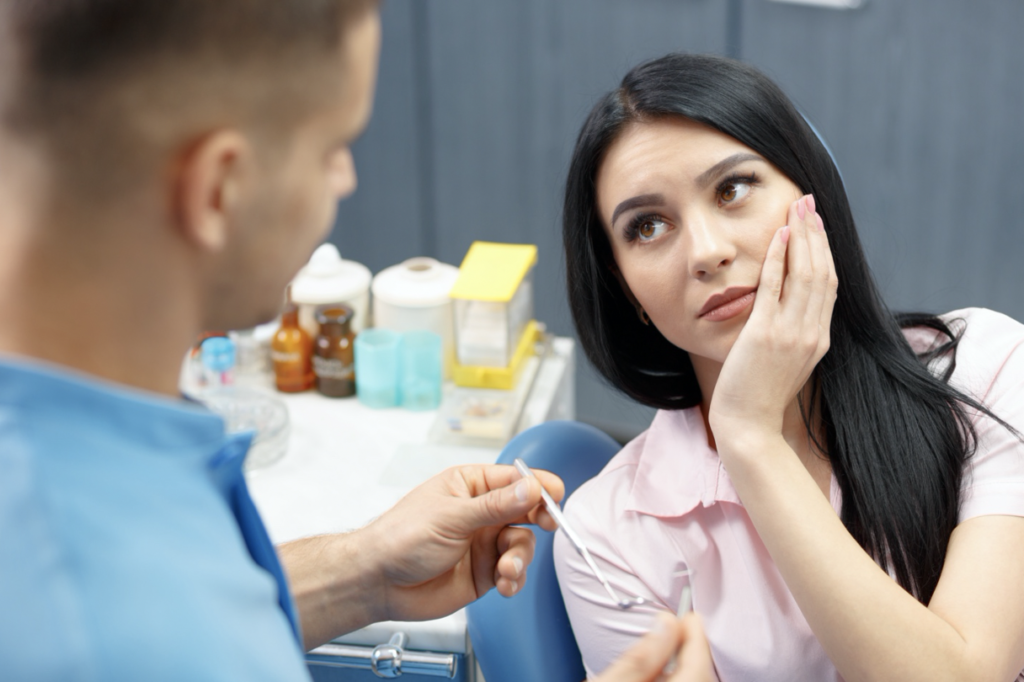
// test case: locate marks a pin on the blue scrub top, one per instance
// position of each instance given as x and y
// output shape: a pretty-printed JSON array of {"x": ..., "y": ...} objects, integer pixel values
[{"x": 129, "y": 546}]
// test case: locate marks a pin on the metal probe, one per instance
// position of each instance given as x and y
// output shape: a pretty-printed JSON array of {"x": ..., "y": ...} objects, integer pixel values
[{"x": 577, "y": 542}]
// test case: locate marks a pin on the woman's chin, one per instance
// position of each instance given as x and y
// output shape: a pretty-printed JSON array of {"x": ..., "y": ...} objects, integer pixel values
[{"x": 712, "y": 346}]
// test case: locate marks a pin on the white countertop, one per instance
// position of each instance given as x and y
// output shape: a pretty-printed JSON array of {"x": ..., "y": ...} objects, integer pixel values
[{"x": 347, "y": 463}]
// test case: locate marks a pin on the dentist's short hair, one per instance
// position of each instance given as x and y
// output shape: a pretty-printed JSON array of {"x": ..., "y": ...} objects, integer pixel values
[{"x": 95, "y": 81}]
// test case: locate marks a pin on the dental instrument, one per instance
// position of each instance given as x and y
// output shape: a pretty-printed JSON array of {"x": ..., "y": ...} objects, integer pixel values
[
  {"x": 685, "y": 605},
  {"x": 686, "y": 597},
  {"x": 577, "y": 542}
]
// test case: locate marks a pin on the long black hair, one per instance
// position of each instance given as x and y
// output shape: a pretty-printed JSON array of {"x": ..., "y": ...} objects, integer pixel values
[{"x": 897, "y": 436}]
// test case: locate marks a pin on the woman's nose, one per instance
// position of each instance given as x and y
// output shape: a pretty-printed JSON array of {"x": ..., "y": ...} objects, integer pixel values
[{"x": 710, "y": 247}]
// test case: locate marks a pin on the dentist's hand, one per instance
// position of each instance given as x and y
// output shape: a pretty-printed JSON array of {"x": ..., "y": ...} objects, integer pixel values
[
  {"x": 443, "y": 545},
  {"x": 644, "y": 662},
  {"x": 449, "y": 541}
]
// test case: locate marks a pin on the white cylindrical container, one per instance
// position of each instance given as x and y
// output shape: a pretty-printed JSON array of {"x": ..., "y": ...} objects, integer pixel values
[
  {"x": 413, "y": 296},
  {"x": 329, "y": 279}
]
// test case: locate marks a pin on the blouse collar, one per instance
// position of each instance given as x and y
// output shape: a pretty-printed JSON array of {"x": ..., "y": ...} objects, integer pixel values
[{"x": 676, "y": 449}]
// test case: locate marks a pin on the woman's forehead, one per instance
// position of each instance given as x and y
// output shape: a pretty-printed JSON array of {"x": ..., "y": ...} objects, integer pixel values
[{"x": 669, "y": 148}]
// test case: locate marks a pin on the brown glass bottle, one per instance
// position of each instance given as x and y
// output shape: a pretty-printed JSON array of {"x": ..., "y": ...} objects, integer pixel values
[
  {"x": 333, "y": 358},
  {"x": 292, "y": 352}
]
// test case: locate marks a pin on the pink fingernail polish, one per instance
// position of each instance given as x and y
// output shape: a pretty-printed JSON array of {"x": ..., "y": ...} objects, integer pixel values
[
  {"x": 784, "y": 234},
  {"x": 821, "y": 223},
  {"x": 810, "y": 203},
  {"x": 801, "y": 209}
]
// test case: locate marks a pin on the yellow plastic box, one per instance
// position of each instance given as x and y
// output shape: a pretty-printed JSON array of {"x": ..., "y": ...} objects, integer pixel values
[{"x": 494, "y": 327}]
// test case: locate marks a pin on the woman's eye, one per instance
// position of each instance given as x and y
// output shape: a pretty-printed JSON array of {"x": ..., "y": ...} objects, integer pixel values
[
  {"x": 649, "y": 228},
  {"x": 731, "y": 192}
]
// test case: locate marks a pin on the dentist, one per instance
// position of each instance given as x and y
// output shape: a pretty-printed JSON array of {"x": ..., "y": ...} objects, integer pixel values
[{"x": 165, "y": 168}]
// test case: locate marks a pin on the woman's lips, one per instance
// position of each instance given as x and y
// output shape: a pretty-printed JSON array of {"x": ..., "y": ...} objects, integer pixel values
[{"x": 728, "y": 304}]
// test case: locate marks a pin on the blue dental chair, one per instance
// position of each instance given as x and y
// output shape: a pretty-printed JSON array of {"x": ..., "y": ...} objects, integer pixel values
[{"x": 528, "y": 638}]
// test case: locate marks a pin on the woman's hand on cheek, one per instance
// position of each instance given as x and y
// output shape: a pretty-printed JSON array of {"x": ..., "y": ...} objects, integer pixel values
[{"x": 786, "y": 334}]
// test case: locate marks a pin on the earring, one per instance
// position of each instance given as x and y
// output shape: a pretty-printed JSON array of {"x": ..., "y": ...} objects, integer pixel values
[{"x": 642, "y": 314}]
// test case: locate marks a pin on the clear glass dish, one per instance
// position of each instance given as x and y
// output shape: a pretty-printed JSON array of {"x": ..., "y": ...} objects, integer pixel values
[{"x": 246, "y": 409}]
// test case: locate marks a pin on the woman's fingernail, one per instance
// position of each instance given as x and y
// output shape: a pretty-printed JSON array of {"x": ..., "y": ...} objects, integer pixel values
[
  {"x": 522, "y": 490},
  {"x": 515, "y": 586},
  {"x": 518, "y": 563},
  {"x": 801, "y": 208},
  {"x": 821, "y": 223},
  {"x": 810, "y": 203},
  {"x": 784, "y": 234}
]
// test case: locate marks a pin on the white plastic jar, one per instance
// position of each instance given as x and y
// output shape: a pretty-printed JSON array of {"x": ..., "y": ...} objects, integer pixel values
[
  {"x": 327, "y": 278},
  {"x": 413, "y": 296}
]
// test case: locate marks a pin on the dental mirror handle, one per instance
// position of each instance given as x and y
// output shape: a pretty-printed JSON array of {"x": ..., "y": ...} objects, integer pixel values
[{"x": 559, "y": 516}]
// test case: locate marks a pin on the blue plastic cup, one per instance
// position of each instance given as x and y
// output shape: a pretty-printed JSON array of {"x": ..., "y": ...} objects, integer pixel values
[
  {"x": 422, "y": 364},
  {"x": 377, "y": 367}
]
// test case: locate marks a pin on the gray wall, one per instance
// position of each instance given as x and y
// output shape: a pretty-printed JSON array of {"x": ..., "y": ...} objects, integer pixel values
[{"x": 479, "y": 104}]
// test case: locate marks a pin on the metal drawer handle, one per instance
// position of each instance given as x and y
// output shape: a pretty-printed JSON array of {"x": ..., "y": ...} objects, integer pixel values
[
  {"x": 388, "y": 660},
  {"x": 832, "y": 4}
]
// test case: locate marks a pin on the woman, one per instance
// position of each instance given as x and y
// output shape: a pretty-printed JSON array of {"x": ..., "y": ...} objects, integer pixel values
[{"x": 841, "y": 488}]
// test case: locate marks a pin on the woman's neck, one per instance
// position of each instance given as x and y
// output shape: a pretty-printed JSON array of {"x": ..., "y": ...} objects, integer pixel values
[{"x": 794, "y": 430}]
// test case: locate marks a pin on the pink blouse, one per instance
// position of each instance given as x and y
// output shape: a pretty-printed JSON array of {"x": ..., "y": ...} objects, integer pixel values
[{"x": 665, "y": 504}]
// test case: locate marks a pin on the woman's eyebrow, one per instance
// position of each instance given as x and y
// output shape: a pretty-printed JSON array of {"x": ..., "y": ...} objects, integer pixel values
[
  {"x": 706, "y": 178},
  {"x": 634, "y": 202}
]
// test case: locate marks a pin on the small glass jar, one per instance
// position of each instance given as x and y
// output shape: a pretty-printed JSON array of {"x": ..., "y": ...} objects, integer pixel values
[
  {"x": 333, "y": 359},
  {"x": 292, "y": 351}
]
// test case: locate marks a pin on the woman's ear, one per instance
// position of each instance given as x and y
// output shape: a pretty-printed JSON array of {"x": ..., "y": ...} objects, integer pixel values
[
  {"x": 640, "y": 312},
  {"x": 614, "y": 268},
  {"x": 210, "y": 176}
]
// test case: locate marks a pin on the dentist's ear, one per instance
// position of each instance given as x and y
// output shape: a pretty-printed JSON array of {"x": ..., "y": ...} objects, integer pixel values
[{"x": 208, "y": 184}]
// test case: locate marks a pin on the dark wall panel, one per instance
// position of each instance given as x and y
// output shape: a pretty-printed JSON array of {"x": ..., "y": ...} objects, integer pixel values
[
  {"x": 381, "y": 223},
  {"x": 920, "y": 101}
]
